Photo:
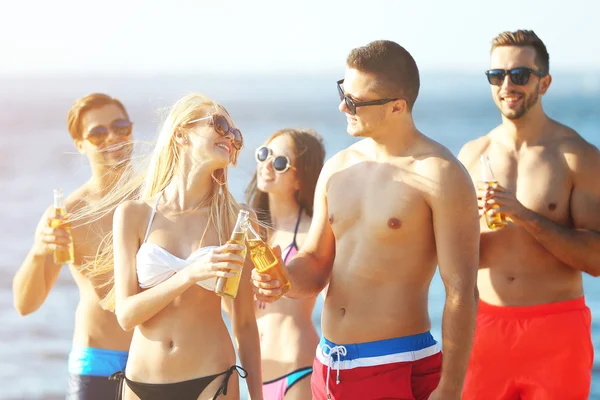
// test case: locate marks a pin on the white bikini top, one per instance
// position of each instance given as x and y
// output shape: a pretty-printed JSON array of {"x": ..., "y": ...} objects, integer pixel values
[{"x": 155, "y": 265}]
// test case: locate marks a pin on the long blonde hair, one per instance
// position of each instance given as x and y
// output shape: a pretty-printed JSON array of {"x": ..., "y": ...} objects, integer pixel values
[{"x": 153, "y": 177}]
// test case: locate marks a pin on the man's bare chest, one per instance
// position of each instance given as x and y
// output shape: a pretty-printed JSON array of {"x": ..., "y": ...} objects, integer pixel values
[{"x": 381, "y": 200}]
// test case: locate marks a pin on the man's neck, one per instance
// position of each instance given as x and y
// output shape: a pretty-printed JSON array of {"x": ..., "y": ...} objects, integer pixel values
[
  {"x": 395, "y": 140},
  {"x": 104, "y": 179},
  {"x": 527, "y": 130}
]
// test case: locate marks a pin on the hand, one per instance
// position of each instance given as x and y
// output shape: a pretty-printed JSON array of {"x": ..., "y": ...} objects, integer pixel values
[
  {"x": 497, "y": 199},
  {"x": 223, "y": 262},
  {"x": 49, "y": 239},
  {"x": 265, "y": 289}
]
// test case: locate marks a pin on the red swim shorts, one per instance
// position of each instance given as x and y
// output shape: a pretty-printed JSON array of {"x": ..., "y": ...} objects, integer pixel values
[
  {"x": 400, "y": 368},
  {"x": 541, "y": 352}
]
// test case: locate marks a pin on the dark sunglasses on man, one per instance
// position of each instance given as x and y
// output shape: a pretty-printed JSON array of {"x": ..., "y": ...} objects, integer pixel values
[
  {"x": 98, "y": 134},
  {"x": 351, "y": 104},
  {"x": 221, "y": 126},
  {"x": 280, "y": 163},
  {"x": 518, "y": 76}
]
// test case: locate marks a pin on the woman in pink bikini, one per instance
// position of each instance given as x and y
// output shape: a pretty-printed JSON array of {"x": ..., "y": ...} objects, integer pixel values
[{"x": 282, "y": 194}]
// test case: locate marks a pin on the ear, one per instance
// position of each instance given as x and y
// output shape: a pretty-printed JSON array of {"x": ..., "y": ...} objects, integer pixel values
[
  {"x": 181, "y": 138},
  {"x": 399, "y": 106},
  {"x": 545, "y": 83},
  {"x": 79, "y": 145}
]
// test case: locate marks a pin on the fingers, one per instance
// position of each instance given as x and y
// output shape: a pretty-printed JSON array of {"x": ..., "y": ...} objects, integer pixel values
[
  {"x": 265, "y": 289},
  {"x": 56, "y": 240},
  {"x": 227, "y": 267},
  {"x": 55, "y": 236},
  {"x": 277, "y": 251},
  {"x": 225, "y": 270},
  {"x": 228, "y": 248},
  {"x": 266, "y": 296},
  {"x": 228, "y": 257},
  {"x": 263, "y": 280},
  {"x": 484, "y": 206}
]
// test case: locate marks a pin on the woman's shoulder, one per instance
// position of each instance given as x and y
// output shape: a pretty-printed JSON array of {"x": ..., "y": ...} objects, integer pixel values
[{"x": 134, "y": 210}]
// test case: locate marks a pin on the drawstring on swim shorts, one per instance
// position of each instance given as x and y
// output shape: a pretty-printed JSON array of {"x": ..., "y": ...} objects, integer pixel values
[{"x": 329, "y": 352}]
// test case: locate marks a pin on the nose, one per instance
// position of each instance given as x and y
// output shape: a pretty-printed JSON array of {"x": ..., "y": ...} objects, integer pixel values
[
  {"x": 343, "y": 107},
  {"x": 268, "y": 164},
  {"x": 230, "y": 133},
  {"x": 507, "y": 83},
  {"x": 112, "y": 137}
]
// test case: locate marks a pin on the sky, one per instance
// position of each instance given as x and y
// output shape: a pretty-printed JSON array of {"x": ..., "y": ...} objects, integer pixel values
[{"x": 238, "y": 36}]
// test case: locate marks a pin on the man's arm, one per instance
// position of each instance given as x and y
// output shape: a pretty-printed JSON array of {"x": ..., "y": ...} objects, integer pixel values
[
  {"x": 38, "y": 273},
  {"x": 456, "y": 229},
  {"x": 310, "y": 268},
  {"x": 577, "y": 246}
]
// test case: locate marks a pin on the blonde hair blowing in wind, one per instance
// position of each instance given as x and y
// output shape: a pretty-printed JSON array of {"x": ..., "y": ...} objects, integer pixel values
[{"x": 164, "y": 164}]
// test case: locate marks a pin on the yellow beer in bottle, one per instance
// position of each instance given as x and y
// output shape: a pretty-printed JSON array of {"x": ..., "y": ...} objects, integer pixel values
[
  {"x": 497, "y": 220},
  {"x": 62, "y": 256},
  {"x": 228, "y": 287},
  {"x": 266, "y": 262}
]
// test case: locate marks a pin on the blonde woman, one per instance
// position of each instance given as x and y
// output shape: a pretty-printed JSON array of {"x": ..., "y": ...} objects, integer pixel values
[
  {"x": 282, "y": 193},
  {"x": 169, "y": 248}
]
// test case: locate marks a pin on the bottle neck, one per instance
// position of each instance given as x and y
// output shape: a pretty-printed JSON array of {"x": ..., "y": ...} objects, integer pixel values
[
  {"x": 59, "y": 202},
  {"x": 241, "y": 225}
]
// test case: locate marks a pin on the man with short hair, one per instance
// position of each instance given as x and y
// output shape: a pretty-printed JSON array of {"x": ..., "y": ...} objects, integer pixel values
[
  {"x": 101, "y": 129},
  {"x": 388, "y": 209},
  {"x": 533, "y": 336}
]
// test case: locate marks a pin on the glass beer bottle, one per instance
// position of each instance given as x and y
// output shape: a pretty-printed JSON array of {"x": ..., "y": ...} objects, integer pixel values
[
  {"x": 228, "y": 287},
  {"x": 497, "y": 220},
  {"x": 61, "y": 256},
  {"x": 266, "y": 262}
]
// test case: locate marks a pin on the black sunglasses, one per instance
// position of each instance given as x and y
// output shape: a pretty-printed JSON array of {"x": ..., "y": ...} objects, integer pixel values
[
  {"x": 518, "y": 76},
  {"x": 222, "y": 127},
  {"x": 280, "y": 163},
  {"x": 98, "y": 134},
  {"x": 351, "y": 104}
]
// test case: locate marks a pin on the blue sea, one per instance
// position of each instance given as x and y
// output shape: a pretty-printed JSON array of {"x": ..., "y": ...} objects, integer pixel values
[{"x": 37, "y": 155}]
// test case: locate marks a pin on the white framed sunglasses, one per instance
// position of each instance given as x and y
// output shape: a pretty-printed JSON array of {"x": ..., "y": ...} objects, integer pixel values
[{"x": 280, "y": 163}]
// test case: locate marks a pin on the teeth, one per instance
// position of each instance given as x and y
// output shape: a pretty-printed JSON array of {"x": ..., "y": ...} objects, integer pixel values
[{"x": 223, "y": 146}]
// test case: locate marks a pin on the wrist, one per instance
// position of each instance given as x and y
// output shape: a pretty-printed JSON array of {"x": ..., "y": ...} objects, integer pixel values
[
  {"x": 524, "y": 217},
  {"x": 187, "y": 277},
  {"x": 40, "y": 250},
  {"x": 449, "y": 391}
]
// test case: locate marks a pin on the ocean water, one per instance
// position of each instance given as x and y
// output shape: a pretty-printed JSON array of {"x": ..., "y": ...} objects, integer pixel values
[{"x": 36, "y": 155}]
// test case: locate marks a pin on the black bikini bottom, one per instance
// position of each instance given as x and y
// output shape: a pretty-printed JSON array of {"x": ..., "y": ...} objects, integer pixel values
[{"x": 185, "y": 390}]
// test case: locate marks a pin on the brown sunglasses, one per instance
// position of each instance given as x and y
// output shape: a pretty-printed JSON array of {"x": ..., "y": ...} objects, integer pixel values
[
  {"x": 98, "y": 134},
  {"x": 219, "y": 122}
]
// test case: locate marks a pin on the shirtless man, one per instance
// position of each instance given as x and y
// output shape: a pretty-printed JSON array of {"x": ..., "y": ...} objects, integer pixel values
[
  {"x": 388, "y": 209},
  {"x": 101, "y": 130},
  {"x": 533, "y": 338}
]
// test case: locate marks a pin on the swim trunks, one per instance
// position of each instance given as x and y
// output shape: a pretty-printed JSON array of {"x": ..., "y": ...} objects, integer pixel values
[
  {"x": 400, "y": 368},
  {"x": 531, "y": 352},
  {"x": 89, "y": 369}
]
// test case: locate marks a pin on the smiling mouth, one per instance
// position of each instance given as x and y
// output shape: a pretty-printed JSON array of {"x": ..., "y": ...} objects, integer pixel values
[
  {"x": 224, "y": 147},
  {"x": 115, "y": 148},
  {"x": 511, "y": 98}
]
